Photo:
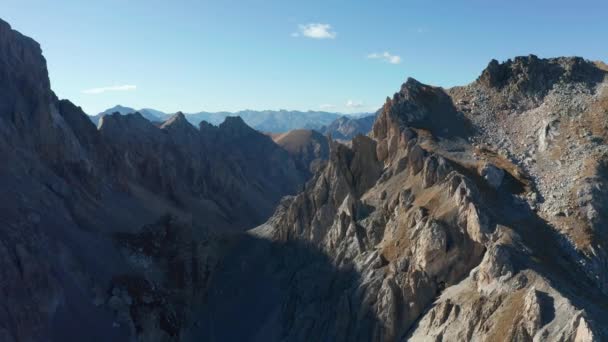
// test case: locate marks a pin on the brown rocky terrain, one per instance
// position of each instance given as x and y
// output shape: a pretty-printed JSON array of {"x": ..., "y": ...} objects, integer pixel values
[
  {"x": 471, "y": 213},
  {"x": 308, "y": 147}
]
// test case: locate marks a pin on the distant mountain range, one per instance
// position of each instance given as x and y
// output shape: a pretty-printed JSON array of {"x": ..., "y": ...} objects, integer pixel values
[
  {"x": 347, "y": 127},
  {"x": 266, "y": 121}
]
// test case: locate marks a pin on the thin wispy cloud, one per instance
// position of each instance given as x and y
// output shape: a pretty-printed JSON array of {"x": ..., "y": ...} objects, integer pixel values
[
  {"x": 354, "y": 104},
  {"x": 327, "y": 106},
  {"x": 315, "y": 31},
  {"x": 386, "y": 57},
  {"x": 101, "y": 90}
]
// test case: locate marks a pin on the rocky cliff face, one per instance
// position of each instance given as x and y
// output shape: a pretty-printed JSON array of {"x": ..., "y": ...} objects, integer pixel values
[
  {"x": 473, "y": 213},
  {"x": 111, "y": 233},
  {"x": 556, "y": 137}
]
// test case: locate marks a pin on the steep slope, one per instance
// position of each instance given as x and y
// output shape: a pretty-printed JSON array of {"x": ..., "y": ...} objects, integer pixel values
[
  {"x": 111, "y": 234},
  {"x": 435, "y": 219},
  {"x": 308, "y": 147},
  {"x": 549, "y": 118},
  {"x": 346, "y": 128},
  {"x": 218, "y": 173}
]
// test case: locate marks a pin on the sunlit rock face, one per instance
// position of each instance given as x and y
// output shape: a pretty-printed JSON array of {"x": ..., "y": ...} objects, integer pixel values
[{"x": 448, "y": 220}]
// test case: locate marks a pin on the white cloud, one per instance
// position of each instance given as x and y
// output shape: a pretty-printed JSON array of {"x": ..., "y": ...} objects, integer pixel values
[
  {"x": 101, "y": 90},
  {"x": 385, "y": 56},
  {"x": 326, "y": 106},
  {"x": 354, "y": 104},
  {"x": 315, "y": 31}
]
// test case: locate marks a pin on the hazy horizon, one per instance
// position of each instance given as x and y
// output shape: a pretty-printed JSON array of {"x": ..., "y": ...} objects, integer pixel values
[{"x": 236, "y": 111}]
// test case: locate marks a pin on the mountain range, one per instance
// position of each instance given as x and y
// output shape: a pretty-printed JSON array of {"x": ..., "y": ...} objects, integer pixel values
[
  {"x": 473, "y": 213},
  {"x": 265, "y": 121},
  {"x": 346, "y": 128}
]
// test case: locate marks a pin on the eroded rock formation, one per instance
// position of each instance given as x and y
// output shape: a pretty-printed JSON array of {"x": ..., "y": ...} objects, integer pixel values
[{"x": 449, "y": 228}]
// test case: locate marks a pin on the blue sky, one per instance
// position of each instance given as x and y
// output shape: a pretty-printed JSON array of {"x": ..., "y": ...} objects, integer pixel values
[{"x": 337, "y": 55}]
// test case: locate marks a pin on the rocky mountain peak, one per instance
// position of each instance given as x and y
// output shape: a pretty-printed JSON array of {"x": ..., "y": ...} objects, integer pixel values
[
  {"x": 203, "y": 125},
  {"x": 233, "y": 122},
  {"x": 536, "y": 76},
  {"x": 133, "y": 119},
  {"x": 178, "y": 122},
  {"x": 25, "y": 83},
  {"x": 234, "y": 126},
  {"x": 412, "y": 87},
  {"x": 21, "y": 53},
  {"x": 417, "y": 106},
  {"x": 207, "y": 129},
  {"x": 120, "y": 109},
  {"x": 181, "y": 131},
  {"x": 119, "y": 126}
]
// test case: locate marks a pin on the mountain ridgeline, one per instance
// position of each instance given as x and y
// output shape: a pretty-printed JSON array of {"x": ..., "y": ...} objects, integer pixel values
[
  {"x": 475, "y": 213},
  {"x": 270, "y": 121},
  {"x": 346, "y": 128}
]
